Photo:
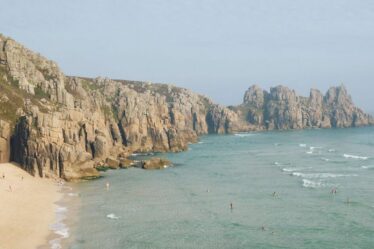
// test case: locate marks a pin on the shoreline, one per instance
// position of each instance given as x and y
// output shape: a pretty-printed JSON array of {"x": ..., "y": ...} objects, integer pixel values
[
  {"x": 28, "y": 209},
  {"x": 66, "y": 208}
]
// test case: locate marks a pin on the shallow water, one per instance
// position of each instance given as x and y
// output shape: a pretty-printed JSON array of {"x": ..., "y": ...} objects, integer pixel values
[{"x": 188, "y": 205}]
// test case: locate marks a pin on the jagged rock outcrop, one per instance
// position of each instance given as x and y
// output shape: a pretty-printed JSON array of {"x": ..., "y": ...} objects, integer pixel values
[
  {"x": 4, "y": 141},
  {"x": 67, "y": 125},
  {"x": 59, "y": 126},
  {"x": 155, "y": 163},
  {"x": 282, "y": 108}
]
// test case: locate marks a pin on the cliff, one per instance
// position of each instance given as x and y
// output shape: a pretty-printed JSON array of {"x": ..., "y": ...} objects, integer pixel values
[
  {"x": 282, "y": 108},
  {"x": 59, "y": 126},
  {"x": 65, "y": 126}
]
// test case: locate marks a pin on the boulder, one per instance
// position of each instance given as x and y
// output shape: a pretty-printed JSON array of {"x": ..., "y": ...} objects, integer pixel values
[
  {"x": 126, "y": 163},
  {"x": 155, "y": 163},
  {"x": 112, "y": 163}
]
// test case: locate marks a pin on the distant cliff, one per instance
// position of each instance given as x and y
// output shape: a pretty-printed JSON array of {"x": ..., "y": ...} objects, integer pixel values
[
  {"x": 56, "y": 125},
  {"x": 282, "y": 109}
]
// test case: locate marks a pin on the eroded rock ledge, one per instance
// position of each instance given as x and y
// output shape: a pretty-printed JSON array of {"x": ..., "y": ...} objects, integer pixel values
[{"x": 56, "y": 125}]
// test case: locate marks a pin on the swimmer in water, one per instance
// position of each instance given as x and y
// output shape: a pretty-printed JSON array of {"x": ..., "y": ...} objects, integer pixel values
[{"x": 231, "y": 206}]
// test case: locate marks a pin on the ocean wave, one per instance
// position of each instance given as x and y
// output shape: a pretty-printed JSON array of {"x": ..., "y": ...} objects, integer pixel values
[
  {"x": 320, "y": 175},
  {"x": 355, "y": 157},
  {"x": 61, "y": 209},
  {"x": 142, "y": 154},
  {"x": 294, "y": 169},
  {"x": 314, "y": 147},
  {"x": 281, "y": 164},
  {"x": 312, "y": 184},
  {"x": 288, "y": 170},
  {"x": 325, "y": 159},
  {"x": 112, "y": 216},
  {"x": 302, "y": 145},
  {"x": 59, "y": 228},
  {"x": 55, "y": 244},
  {"x": 367, "y": 166},
  {"x": 244, "y": 134},
  {"x": 309, "y": 152},
  {"x": 331, "y": 150}
]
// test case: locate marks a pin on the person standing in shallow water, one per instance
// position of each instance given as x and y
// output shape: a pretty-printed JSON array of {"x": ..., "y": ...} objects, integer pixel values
[{"x": 231, "y": 206}]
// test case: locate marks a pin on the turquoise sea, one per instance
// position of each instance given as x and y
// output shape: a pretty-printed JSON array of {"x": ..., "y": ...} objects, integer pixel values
[{"x": 188, "y": 205}]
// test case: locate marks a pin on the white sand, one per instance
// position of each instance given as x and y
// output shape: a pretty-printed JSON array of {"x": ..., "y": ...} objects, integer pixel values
[{"x": 27, "y": 210}]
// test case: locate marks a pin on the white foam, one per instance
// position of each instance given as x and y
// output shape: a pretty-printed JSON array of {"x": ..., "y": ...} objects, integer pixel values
[
  {"x": 313, "y": 147},
  {"x": 367, "y": 166},
  {"x": 142, "y": 154},
  {"x": 59, "y": 228},
  {"x": 331, "y": 150},
  {"x": 112, "y": 216},
  {"x": 73, "y": 194},
  {"x": 319, "y": 175},
  {"x": 55, "y": 244},
  {"x": 325, "y": 159},
  {"x": 302, "y": 145},
  {"x": 277, "y": 163},
  {"x": 355, "y": 157},
  {"x": 309, "y": 152},
  {"x": 244, "y": 134},
  {"x": 288, "y": 170},
  {"x": 200, "y": 142},
  {"x": 312, "y": 184},
  {"x": 60, "y": 209}
]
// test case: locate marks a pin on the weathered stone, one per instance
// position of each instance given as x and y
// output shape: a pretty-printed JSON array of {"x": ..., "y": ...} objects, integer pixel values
[
  {"x": 126, "y": 163},
  {"x": 4, "y": 141},
  {"x": 155, "y": 163},
  {"x": 112, "y": 163},
  {"x": 283, "y": 109}
]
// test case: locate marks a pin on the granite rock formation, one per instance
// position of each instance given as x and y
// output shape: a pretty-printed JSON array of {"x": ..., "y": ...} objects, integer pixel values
[
  {"x": 282, "y": 109},
  {"x": 65, "y": 126},
  {"x": 59, "y": 126}
]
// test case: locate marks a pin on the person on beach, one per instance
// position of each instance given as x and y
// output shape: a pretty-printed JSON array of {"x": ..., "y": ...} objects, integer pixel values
[
  {"x": 3, "y": 176},
  {"x": 10, "y": 188}
]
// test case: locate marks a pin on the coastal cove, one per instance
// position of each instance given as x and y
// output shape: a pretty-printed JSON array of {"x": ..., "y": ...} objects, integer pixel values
[{"x": 280, "y": 199}]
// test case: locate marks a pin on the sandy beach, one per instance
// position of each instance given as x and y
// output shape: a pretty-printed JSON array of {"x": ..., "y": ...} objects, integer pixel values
[{"x": 27, "y": 208}]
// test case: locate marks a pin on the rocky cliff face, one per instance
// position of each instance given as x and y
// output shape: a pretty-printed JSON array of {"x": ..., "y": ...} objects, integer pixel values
[
  {"x": 64, "y": 126},
  {"x": 59, "y": 126},
  {"x": 282, "y": 109}
]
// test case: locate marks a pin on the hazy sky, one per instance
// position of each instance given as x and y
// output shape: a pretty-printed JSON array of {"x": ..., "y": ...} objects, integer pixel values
[{"x": 215, "y": 47}]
